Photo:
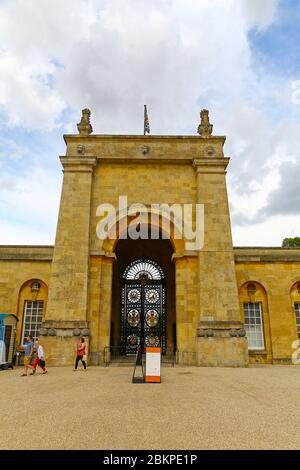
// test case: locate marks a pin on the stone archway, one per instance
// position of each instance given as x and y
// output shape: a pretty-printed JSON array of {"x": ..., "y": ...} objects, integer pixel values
[{"x": 160, "y": 251}]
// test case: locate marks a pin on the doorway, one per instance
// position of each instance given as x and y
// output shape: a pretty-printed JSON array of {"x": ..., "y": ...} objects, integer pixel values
[
  {"x": 143, "y": 313},
  {"x": 143, "y": 296}
]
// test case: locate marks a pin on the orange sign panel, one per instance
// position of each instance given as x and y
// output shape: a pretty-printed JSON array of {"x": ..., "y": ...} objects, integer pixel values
[{"x": 153, "y": 356}]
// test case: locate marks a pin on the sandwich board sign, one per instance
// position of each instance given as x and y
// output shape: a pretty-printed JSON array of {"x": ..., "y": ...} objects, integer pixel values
[
  {"x": 153, "y": 356},
  {"x": 138, "y": 362}
]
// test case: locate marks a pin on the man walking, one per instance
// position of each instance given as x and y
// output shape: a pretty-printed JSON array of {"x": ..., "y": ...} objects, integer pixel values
[{"x": 28, "y": 354}]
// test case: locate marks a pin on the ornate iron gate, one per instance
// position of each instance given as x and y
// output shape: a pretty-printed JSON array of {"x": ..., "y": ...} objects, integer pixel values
[{"x": 143, "y": 315}]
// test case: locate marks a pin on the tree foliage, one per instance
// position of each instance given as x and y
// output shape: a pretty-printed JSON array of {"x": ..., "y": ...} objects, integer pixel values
[{"x": 286, "y": 242}]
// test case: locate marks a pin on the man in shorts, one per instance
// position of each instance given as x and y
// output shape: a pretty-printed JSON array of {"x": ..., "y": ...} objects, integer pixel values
[{"x": 28, "y": 354}]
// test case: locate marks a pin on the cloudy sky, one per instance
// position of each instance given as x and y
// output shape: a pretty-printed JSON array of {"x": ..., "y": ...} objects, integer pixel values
[{"x": 238, "y": 58}]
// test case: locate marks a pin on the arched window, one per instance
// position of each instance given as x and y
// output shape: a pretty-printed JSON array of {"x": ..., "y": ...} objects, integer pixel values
[
  {"x": 297, "y": 313},
  {"x": 254, "y": 302},
  {"x": 254, "y": 325},
  {"x": 295, "y": 294},
  {"x": 32, "y": 304},
  {"x": 143, "y": 269},
  {"x": 33, "y": 317}
]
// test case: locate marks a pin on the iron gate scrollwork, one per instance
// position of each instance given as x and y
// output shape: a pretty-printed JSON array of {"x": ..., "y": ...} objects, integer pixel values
[{"x": 143, "y": 315}]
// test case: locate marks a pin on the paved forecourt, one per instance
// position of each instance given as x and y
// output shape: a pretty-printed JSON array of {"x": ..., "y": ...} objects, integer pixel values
[{"x": 193, "y": 408}]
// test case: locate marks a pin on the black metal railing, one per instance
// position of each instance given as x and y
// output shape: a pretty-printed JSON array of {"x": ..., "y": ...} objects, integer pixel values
[{"x": 115, "y": 355}]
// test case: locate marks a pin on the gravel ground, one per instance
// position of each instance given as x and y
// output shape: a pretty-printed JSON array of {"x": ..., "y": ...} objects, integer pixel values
[{"x": 193, "y": 408}]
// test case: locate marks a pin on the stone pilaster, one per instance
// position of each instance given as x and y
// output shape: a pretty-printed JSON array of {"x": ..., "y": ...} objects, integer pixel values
[
  {"x": 100, "y": 295},
  {"x": 186, "y": 307},
  {"x": 68, "y": 294},
  {"x": 218, "y": 304}
]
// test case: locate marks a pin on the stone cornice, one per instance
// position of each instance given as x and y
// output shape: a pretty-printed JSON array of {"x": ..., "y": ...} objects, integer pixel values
[
  {"x": 201, "y": 164},
  {"x": 144, "y": 149},
  {"x": 143, "y": 138},
  {"x": 267, "y": 254},
  {"x": 267, "y": 258},
  {"x": 220, "y": 324},
  {"x": 103, "y": 254},
  {"x": 210, "y": 165},
  {"x": 26, "y": 253},
  {"x": 185, "y": 254},
  {"x": 25, "y": 257},
  {"x": 241, "y": 254},
  {"x": 142, "y": 160},
  {"x": 78, "y": 164}
]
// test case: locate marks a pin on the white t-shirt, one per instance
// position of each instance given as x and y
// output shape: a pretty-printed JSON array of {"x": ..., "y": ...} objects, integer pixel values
[{"x": 40, "y": 352}]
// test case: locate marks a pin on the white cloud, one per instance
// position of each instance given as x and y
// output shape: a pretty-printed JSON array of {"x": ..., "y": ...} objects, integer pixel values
[
  {"x": 25, "y": 95},
  {"x": 116, "y": 55},
  {"x": 259, "y": 149},
  {"x": 29, "y": 205},
  {"x": 15, "y": 233},
  {"x": 260, "y": 13},
  {"x": 10, "y": 150},
  {"x": 271, "y": 232}
]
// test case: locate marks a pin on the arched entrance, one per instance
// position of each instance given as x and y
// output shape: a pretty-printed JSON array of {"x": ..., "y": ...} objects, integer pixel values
[
  {"x": 143, "y": 313},
  {"x": 143, "y": 295}
]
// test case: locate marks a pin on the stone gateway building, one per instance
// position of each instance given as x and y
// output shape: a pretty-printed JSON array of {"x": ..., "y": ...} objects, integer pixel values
[{"x": 215, "y": 305}]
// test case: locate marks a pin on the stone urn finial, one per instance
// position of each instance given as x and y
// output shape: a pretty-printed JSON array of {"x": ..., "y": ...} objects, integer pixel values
[
  {"x": 205, "y": 127},
  {"x": 84, "y": 127}
]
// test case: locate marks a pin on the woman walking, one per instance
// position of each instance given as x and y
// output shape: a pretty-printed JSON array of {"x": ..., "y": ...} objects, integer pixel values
[
  {"x": 80, "y": 353},
  {"x": 40, "y": 359}
]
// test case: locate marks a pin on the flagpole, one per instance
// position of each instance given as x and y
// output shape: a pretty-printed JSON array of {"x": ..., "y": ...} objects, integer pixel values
[{"x": 146, "y": 121}]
